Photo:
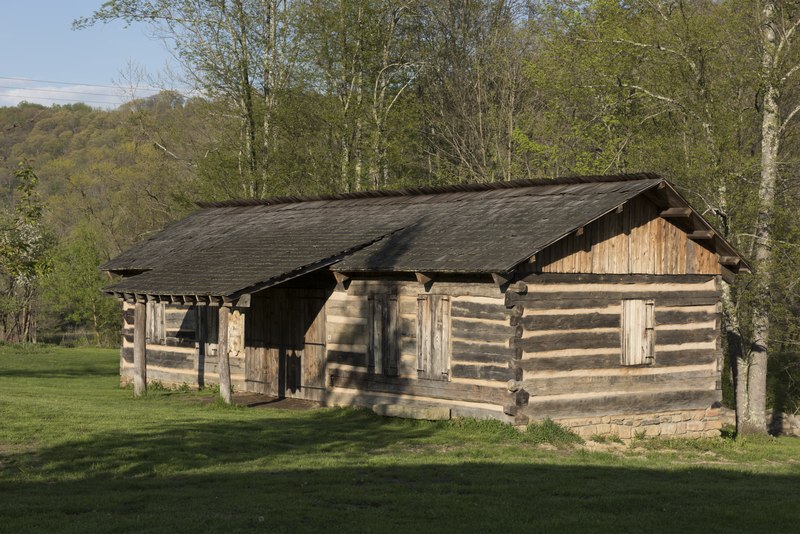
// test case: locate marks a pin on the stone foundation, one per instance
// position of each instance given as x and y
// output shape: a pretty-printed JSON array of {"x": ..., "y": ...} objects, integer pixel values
[{"x": 683, "y": 424}]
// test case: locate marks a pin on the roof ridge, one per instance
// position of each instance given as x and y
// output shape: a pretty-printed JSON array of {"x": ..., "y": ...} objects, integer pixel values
[{"x": 436, "y": 189}]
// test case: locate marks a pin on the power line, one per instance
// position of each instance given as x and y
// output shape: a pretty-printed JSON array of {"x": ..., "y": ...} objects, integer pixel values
[
  {"x": 145, "y": 87},
  {"x": 25, "y": 98},
  {"x": 55, "y": 91}
]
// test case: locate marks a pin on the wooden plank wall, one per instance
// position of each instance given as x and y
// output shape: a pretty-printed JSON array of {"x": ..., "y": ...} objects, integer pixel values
[
  {"x": 571, "y": 345},
  {"x": 177, "y": 361},
  {"x": 634, "y": 241},
  {"x": 480, "y": 353}
]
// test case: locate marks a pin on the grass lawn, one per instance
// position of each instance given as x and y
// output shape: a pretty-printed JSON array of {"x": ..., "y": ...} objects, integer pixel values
[{"x": 78, "y": 454}]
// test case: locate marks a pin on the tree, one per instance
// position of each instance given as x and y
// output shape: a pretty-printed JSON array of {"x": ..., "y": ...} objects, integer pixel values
[
  {"x": 72, "y": 289},
  {"x": 474, "y": 87},
  {"x": 239, "y": 53},
  {"x": 777, "y": 24},
  {"x": 24, "y": 259},
  {"x": 362, "y": 59}
]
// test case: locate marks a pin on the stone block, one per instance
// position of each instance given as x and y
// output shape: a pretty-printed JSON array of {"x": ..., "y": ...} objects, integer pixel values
[
  {"x": 669, "y": 429},
  {"x": 680, "y": 428},
  {"x": 652, "y": 430},
  {"x": 714, "y": 424},
  {"x": 695, "y": 426},
  {"x": 603, "y": 429}
]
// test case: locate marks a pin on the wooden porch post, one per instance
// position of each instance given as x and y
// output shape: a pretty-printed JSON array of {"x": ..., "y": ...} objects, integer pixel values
[
  {"x": 224, "y": 361},
  {"x": 139, "y": 350}
]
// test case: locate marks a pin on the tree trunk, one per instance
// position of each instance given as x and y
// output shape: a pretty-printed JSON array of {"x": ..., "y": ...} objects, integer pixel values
[
  {"x": 270, "y": 8},
  {"x": 752, "y": 387}
]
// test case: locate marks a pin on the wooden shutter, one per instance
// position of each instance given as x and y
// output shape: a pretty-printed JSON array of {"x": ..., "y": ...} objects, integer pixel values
[
  {"x": 383, "y": 344},
  {"x": 392, "y": 338},
  {"x": 638, "y": 332},
  {"x": 155, "y": 322},
  {"x": 433, "y": 337}
]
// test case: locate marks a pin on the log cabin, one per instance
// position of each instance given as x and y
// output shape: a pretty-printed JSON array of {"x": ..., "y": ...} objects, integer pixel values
[{"x": 593, "y": 301}]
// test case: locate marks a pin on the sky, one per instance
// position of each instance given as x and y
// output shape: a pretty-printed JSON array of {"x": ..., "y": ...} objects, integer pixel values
[{"x": 44, "y": 61}]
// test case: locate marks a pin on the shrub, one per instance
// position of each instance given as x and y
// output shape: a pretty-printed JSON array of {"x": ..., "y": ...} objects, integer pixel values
[{"x": 549, "y": 432}]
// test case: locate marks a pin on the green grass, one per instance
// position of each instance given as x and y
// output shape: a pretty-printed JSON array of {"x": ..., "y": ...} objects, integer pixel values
[{"x": 78, "y": 454}]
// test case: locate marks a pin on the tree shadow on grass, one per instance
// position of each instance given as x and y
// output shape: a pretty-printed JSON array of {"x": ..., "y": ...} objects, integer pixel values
[
  {"x": 342, "y": 470},
  {"x": 471, "y": 497},
  {"x": 77, "y": 371}
]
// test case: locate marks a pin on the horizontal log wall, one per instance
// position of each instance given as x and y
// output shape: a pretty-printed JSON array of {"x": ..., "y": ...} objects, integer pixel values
[
  {"x": 637, "y": 240},
  {"x": 177, "y": 360},
  {"x": 347, "y": 331},
  {"x": 571, "y": 345},
  {"x": 481, "y": 335},
  {"x": 480, "y": 351}
]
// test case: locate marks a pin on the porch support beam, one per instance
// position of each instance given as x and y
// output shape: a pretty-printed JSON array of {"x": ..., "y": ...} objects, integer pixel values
[
  {"x": 222, "y": 351},
  {"x": 139, "y": 349}
]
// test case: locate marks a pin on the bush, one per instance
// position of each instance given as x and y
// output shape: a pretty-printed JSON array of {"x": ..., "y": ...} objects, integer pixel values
[
  {"x": 549, "y": 432},
  {"x": 783, "y": 382}
]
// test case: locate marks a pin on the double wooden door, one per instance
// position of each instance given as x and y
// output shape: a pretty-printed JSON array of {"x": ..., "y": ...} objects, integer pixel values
[{"x": 285, "y": 343}]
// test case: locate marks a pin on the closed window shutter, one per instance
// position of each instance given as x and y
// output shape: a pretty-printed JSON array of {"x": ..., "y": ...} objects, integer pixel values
[
  {"x": 433, "y": 337},
  {"x": 638, "y": 332},
  {"x": 155, "y": 322},
  {"x": 392, "y": 337},
  {"x": 383, "y": 349},
  {"x": 376, "y": 334}
]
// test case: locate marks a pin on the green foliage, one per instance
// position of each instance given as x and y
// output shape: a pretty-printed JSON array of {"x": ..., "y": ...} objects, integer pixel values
[
  {"x": 606, "y": 438},
  {"x": 73, "y": 288},
  {"x": 24, "y": 258},
  {"x": 783, "y": 382},
  {"x": 487, "y": 428},
  {"x": 550, "y": 432}
]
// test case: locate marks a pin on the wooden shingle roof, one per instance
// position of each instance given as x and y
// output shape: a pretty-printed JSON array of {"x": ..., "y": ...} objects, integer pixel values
[{"x": 235, "y": 247}]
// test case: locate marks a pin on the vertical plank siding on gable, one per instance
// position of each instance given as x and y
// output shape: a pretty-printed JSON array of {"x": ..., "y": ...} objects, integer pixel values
[{"x": 634, "y": 241}]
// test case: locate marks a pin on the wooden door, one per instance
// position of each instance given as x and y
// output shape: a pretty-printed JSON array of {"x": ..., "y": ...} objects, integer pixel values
[
  {"x": 285, "y": 353},
  {"x": 312, "y": 309},
  {"x": 260, "y": 367}
]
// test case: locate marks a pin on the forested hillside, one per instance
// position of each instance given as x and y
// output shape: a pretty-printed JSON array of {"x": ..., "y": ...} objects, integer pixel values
[{"x": 346, "y": 95}]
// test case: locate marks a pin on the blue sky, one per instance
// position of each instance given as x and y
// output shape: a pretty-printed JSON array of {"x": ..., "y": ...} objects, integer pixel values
[{"x": 38, "y": 45}]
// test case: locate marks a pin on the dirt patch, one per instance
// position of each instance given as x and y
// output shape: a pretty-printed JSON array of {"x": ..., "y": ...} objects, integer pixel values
[
  {"x": 253, "y": 400},
  {"x": 595, "y": 446}
]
